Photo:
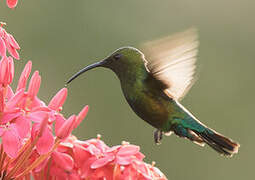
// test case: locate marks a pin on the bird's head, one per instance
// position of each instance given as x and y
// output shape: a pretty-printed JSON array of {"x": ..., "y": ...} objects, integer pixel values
[{"x": 120, "y": 60}]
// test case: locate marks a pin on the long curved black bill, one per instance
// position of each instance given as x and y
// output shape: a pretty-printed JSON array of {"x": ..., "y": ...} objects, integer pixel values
[{"x": 92, "y": 66}]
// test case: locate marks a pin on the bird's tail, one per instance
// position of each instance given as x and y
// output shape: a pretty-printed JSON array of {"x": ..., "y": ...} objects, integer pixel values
[
  {"x": 218, "y": 142},
  {"x": 200, "y": 134}
]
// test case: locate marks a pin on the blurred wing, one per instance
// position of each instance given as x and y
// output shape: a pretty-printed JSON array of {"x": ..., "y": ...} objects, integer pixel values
[{"x": 172, "y": 61}]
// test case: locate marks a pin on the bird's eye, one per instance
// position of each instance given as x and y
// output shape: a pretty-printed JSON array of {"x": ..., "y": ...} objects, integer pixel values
[{"x": 117, "y": 56}]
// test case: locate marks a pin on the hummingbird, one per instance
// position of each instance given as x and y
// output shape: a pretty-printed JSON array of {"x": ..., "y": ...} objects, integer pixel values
[{"x": 154, "y": 79}]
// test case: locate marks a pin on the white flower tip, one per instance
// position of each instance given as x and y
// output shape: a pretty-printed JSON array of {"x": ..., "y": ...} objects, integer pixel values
[
  {"x": 99, "y": 136},
  {"x": 153, "y": 163},
  {"x": 3, "y": 24},
  {"x": 125, "y": 143}
]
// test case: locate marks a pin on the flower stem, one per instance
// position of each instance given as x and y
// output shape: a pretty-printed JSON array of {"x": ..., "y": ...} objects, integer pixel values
[
  {"x": 39, "y": 160},
  {"x": 1, "y": 157},
  {"x": 22, "y": 159}
]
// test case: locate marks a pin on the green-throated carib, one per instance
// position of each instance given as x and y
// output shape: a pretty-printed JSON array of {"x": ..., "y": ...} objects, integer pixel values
[{"x": 155, "y": 80}]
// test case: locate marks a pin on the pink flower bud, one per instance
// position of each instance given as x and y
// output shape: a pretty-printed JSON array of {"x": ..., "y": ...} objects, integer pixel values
[
  {"x": 58, "y": 100},
  {"x": 2, "y": 48},
  {"x": 81, "y": 116},
  {"x": 13, "y": 52},
  {"x": 3, "y": 69},
  {"x": 10, "y": 73},
  {"x": 11, "y": 3},
  {"x": 34, "y": 85},
  {"x": 64, "y": 128},
  {"x": 24, "y": 76},
  {"x": 12, "y": 41}
]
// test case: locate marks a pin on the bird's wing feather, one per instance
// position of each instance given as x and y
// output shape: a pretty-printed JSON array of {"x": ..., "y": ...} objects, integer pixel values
[{"x": 172, "y": 61}]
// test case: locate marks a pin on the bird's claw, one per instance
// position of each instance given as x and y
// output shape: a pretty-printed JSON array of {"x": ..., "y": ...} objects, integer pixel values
[{"x": 158, "y": 135}]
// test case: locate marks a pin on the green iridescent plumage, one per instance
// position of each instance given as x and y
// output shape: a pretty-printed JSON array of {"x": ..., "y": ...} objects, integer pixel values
[{"x": 153, "y": 83}]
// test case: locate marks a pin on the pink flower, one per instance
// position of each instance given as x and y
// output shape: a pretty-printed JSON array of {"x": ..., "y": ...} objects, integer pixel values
[
  {"x": 26, "y": 124},
  {"x": 11, "y": 3},
  {"x": 8, "y": 42}
]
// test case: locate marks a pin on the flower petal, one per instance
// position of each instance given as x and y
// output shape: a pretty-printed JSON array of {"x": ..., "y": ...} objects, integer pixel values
[
  {"x": 2, "y": 48},
  {"x": 23, "y": 126},
  {"x": 11, "y": 142},
  {"x": 13, "y": 52},
  {"x": 128, "y": 150},
  {"x": 102, "y": 161},
  {"x": 12, "y": 41},
  {"x": 36, "y": 103},
  {"x": 55, "y": 171},
  {"x": 14, "y": 101},
  {"x": 81, "y": 116},
  {"x": 80, "y": 154},
  {"x": 7, "y": 117},
  {"x": 34, "y": 85},
  {"x": 11, "y": 3},
  {"x": 42, "y": 165},
  {"x": 65, "y": 129},
  {"x": 37, "y": 116},
  {"x": 9, "y": 93},
  {"x": 63, "y": 160},
  {"x": 60, "y": 120},
  {"x": 124, "y": 160},
  {"x": 86, "y": 171},
  {"x": 24, "y": 76},
  {"x": 45, "y": 142},
  {"x": 58, "y": 100},
  {"x": 3, "y": 69}
]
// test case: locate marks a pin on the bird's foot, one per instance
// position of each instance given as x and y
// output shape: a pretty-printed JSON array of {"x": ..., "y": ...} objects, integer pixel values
[{"x": 158, "y": 135}]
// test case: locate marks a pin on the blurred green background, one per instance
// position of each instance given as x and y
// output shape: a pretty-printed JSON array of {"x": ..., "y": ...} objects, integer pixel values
[{"x": 60, "y": 37}]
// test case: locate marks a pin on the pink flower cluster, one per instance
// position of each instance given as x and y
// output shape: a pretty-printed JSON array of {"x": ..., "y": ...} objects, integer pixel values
[
  {"x": 93, "y": 159},
  {"x": 25, "y": 120},
  {"x": 36, "y": 138}
]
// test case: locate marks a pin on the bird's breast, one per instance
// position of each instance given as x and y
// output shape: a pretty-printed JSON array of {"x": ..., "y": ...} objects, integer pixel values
[{"x": 147, "y": 103}]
